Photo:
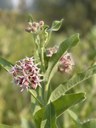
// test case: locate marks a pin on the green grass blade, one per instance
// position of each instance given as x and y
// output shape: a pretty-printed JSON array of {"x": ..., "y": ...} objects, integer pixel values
[{"x": 5, "y": 64}]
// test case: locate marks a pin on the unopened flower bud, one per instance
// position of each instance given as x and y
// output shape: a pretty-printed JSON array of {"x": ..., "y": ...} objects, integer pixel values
[
  {"x": 41, "y": 23},
  {"x": 51, "y": 51},
  {"x": 34, "y": 29},
  {"x": 29, "y": 27},
  {"x": 35, "y": 24},
  {"x": 66, "y": 63}
]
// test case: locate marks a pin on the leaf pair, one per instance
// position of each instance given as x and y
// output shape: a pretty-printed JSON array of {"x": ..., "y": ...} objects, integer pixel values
[{"x": 58, "y": 107}]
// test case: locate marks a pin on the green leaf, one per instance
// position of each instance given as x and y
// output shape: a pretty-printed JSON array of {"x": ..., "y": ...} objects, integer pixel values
[
  {"x": 74, "y": 81},
  {"x": 30, "y": 18},
  {"x": 64, "y": 46},
  {"x": 60, "y": 105},
  {"x": 74, "y": 118},
  {"x": 56, "y": 25},
  {"x": 5, "y": 64},
  {"x": 38, "y": 117},
  {"x": 50, "y": 116},
  {"x": 5, "y": 126},
  {"x": 34, "y": 95},
  {"x": 66, "y": 101},
  {"x": 89, "y": 124}
]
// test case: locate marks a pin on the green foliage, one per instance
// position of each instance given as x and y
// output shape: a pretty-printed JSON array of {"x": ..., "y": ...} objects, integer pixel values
[
  {"x": 64, "y": 46},
  {"x": 74, "y": 117},
  {"x": 78, "y": 14},
  {"x": 72, "y": 82},
  {"x": 60, "y": 98},
  {"x": 50, "y": 116},
  {"x": 56, "y": 25},
  {"x": 60, "y": 105},
  {"x": 5, "y": 64},
  {"x": 91, "y": 123}
]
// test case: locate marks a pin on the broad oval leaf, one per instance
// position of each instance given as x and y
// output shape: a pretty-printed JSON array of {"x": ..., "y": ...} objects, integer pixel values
[
  {"x": 60, "y": 105},
  {"x": 5, "y": 64},
  {"x": 74, "y": 81},
  {"x": 56, "y": 25},
  {"x": 66, "y": 101}
]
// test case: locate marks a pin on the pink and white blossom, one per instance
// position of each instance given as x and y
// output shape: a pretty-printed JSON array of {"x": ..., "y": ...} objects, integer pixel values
[{"x": 26, "y": 74}]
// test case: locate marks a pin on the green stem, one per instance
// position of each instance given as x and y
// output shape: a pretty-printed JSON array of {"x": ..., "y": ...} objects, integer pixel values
[
  {"x": 43, "y": 71},
  {"x": 37, "y": 43},
  {"x": 48, "y": 94},
  {"x": 35, "y": 98},
  {"x": 42, "y": 59},
  {"x": 40, "y": 50},
  {"x": 49, "y": 37}
]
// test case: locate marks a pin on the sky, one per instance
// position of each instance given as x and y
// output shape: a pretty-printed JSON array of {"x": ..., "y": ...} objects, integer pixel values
[{"x": 15, "y": 2}]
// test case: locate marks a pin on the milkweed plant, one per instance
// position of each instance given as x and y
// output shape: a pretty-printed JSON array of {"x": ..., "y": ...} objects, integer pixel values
[{"x": 34, "y": 75}]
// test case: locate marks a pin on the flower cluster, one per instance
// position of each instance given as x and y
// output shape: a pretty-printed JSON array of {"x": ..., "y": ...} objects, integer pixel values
[
  {"x": 26, "y": 74},
  {"x": 66, "y": 63},
  {"x": 51, "y": 51},
  {"x": 34, "y": 27}
]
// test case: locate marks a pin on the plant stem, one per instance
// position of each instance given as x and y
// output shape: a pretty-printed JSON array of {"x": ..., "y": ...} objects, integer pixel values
[
  {"x": 42, "y": 59},
  {"x": 36, "y": 98}
]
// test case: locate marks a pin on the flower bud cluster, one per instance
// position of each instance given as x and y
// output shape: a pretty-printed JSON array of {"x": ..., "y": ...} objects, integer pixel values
[
  {"x": 51, "y": 51},
  {"x": 34, "y": 27},
  {"x": 26, "y": 74},
  {"x": 66, "y": 63}
]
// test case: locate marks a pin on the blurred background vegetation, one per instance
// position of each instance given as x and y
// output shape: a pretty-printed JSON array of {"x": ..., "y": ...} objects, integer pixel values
[{"x": 79, "y": 16}]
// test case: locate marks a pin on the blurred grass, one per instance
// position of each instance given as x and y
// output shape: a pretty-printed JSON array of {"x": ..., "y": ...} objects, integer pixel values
[{"x": 15, "y": 44}]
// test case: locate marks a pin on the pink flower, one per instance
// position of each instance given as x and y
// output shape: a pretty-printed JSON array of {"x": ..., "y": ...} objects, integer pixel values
[
  {"x": 66, "y": 63},
  {"x": 26, "y": 74}
]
